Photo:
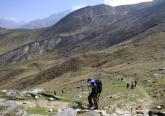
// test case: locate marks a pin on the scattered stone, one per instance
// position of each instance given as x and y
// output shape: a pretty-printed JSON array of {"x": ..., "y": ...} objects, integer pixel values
[
  {"x": 21, "y": 113},
  {"x": 53, "y": 96},
  {"x": 107, "y": 107},
  {"x": 132, "y": 95},
  {"x": 159, "y": 107},
  {"x": 79, "y": 96},
  {"x": 92, "y": 113},
  {"x": 4, "y": 91},
  {"x": 10, "y": 105},
  {"x": 78, "y": 105},
  {"x": 103, "y": 113},
  {"x": 122, "y": 112},
  {"x": 50, "y": 110},
  {"x": 139, "y": 112},
  {"x": 67, "y": 112},
  {"x": 156, "y": 74},
  {"x": 9, "y": 92},
  {"x": 138, "y": 108},
  {"x": 36, "y": 91},
  {"x": 51, "y": 99},
  {"x": 36, "y": 97},
  {"x": 150, "y": 81},
  {"x": 108, "y": 97}
]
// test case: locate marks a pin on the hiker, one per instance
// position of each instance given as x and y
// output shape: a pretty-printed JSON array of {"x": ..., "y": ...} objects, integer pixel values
[
  {"x": 127, "y": 85},
  {"x": 94, "y": 95},
  {"x": 121, "y": 79},
  {"x": 135, "y": 82},
  {"x": 62, "y": 91},
  {"x": 54, "y": 92},
  {"x": 82, "y": 88},
  {"x": 132, "y": 85}
]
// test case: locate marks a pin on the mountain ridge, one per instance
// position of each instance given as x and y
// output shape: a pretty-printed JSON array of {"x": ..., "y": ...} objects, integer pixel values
[
  {"x": 45, "y": 22},
  {"x": 97, "y": 37}
]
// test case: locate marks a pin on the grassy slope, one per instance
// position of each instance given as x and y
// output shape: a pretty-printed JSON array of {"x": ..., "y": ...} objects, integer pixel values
[
  {"x": 135, "y": 59},
  {"x": 11, "y": 39}
]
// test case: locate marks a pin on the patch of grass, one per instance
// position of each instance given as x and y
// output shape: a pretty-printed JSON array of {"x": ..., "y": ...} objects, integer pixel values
[{"x": 40, "y": 110}]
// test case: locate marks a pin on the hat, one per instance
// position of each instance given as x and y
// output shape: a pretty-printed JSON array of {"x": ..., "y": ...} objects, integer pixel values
[{"x": 89, "y": 80}]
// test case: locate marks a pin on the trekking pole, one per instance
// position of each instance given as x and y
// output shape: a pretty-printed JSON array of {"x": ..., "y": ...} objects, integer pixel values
[{"x": 88, "y": 89}]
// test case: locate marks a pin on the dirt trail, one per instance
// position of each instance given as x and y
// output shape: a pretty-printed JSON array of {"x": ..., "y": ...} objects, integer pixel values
[
  {"x": 58, "y": 105},
  {"x": 146, "y": 102},
  {"x": 142, "y": 106}
]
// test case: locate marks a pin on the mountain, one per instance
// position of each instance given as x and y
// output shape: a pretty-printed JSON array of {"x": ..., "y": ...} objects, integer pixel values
[
  {"x": 116, "y": 45},
  {"x": 45, "y": 22},
  {"x": 10, "y": 23},
  {"x": 94, "y": 16},
  {"x": 91, "y": 28}
]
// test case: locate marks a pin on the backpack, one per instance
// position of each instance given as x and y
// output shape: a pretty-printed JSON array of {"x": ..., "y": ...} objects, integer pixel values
[{"x": 99, "y": 85}]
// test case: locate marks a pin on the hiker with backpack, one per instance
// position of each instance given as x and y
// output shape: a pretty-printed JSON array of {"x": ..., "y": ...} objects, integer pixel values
[{"x": 96, "y": 86}]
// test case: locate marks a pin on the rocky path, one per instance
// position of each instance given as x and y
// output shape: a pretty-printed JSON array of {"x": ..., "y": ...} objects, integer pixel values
[{"x": 145, "y": 103}]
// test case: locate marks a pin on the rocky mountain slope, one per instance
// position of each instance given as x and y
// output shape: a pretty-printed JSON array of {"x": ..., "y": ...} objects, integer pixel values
[
  {"x": 107, "y": 47},
  {"x": 92, "y": 28}
]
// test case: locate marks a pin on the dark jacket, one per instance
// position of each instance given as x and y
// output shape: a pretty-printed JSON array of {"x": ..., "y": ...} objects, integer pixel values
[{"x": 94, "y": 89}]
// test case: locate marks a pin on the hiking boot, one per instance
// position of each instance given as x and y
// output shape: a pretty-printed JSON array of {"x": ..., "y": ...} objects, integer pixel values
[{"x": 95, "y": 109}]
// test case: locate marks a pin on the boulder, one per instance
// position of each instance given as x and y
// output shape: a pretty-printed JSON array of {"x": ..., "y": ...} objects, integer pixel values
[
  {"x": 21, "y": 113},
  {"x": 36, "y": 91},
  {"x": 158, "y": 107},
  {"x": 51, "y": 99},
  {"x": 9, "y": 92},
  {"x": 50, "y": 110},
  {"x": 67, "y": 112},
  {"x": 36, "y": 97}
]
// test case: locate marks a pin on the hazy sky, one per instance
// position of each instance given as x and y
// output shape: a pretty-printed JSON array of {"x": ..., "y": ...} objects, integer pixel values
[{"x": 33, "y": 9}]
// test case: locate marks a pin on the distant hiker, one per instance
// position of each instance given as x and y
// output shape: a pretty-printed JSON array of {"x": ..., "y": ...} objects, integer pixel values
[
  {"x": 132, "y": 85},
  {"x": 121, "y": 78},
  {"x": 94, "y": 95},
  {"x": 54, "y": 92},
  {"x": 62, "y": 91},
  {"x": 127, "y": 85},
  {"x": 135, "y": 82},
  {"x": 82, "y": 88}
]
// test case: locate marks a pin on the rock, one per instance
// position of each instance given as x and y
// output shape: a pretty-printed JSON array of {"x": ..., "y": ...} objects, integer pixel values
[
  {"x": 139, "y": 112},
  {"x": 122, "y": 112},
  {"x": 103, "y": 113},
  {"x": 67, "y": 112},
  {"x": 114, "y": 114},
  {"x": 107, "y": 107},
  {"x": 21, "y": 113},
  {"x": 36, "y": 91},
  {"x": 36, "y": 115},
  {"x": 79, "y": 96},
  {"x": 50, "y": 110},
  {"x": 108, "y": 97},
  {"x": 51, "y": 99},
  {"x": 132, "y": 95},
  {"x": 159, "y": 107},
  {"x": 59, "y": 110},
  {"x": 156, "y": 74},
  {"x": 10, "y": 105},
  {"x": 4, "y": 91},
  {"x": 36, "y": 97},
  {"x": 53, "y": 96},
  {"x": 93, "y": 113},
  {"x": 9, "y": 92}
]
